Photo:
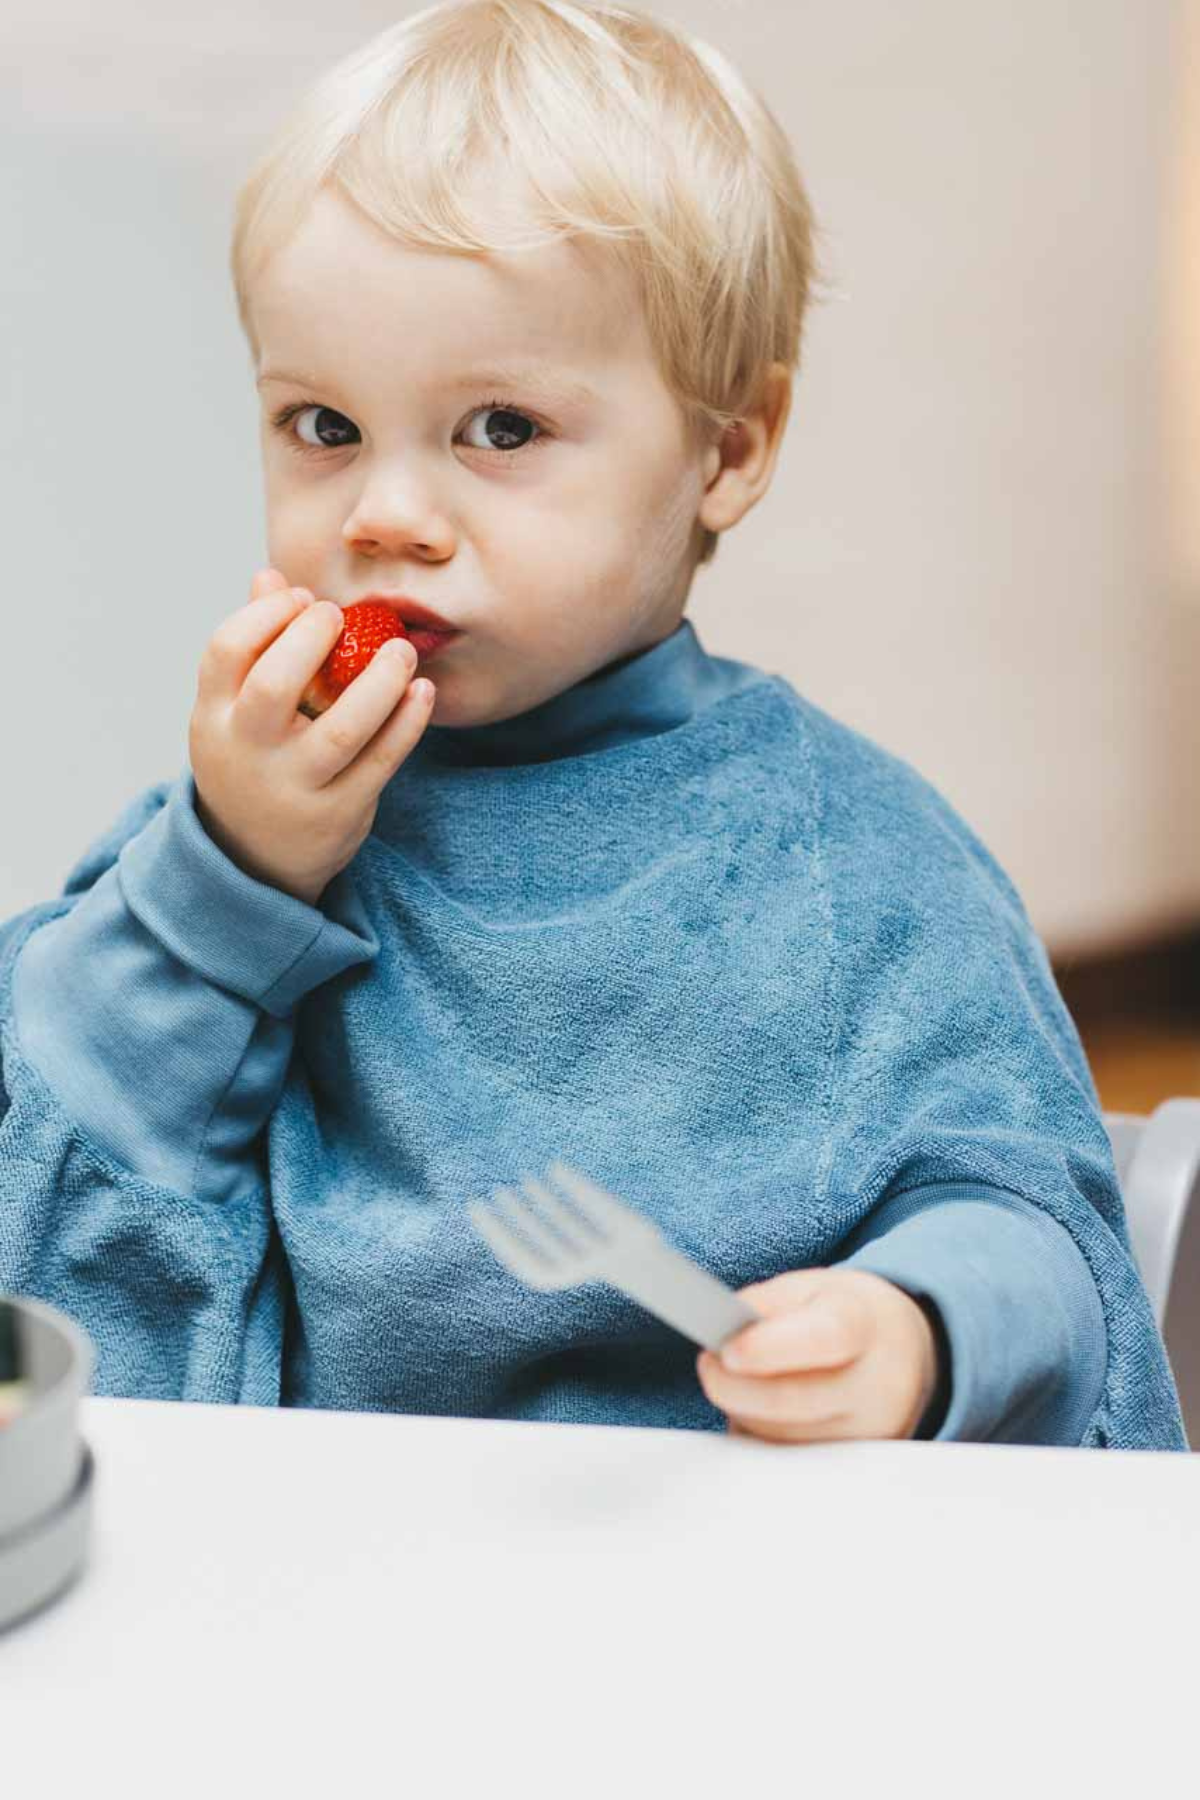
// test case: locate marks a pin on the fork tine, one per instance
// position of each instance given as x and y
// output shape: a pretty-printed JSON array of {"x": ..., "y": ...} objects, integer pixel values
[
  {"x": 517, "y": 1210},
  {"x": 527, "y": 1264},
  {"x": 576, "y": 1234},
  {"x": 602, "y": 1210}
]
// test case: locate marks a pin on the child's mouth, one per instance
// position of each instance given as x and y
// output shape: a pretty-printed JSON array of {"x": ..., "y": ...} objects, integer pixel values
[{"x": 426, "y": 642}]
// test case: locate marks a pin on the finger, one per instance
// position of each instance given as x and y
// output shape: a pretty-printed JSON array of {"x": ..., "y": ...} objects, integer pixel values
[
  {"x": 333, "y": 742},
  {"x": 269, "y": 697},
  {"x": 268, "y": 581},
  {"x": 808, "y": 1400},
  {"x": 361, "y": 782},
  {"x": 784, "y": 1293},
  {"x": 240, "y": 640},
  {"x": 827, "y": 1332},
  {"x": 773, "y": 1432}
]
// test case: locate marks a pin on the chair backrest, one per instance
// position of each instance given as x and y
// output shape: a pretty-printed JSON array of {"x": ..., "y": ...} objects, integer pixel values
[{"x": 1158, "y": 1165}]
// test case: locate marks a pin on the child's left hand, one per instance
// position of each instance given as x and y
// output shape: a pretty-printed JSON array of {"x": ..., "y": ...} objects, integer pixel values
[{"x": 839, "y": 1353}]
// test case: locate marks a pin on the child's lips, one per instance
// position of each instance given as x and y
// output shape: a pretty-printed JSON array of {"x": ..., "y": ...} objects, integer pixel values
[{"x": 427, "y": 642}]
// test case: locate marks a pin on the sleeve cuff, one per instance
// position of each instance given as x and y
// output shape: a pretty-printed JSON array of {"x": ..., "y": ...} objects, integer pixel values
[
  {"x": 933, "y": 1419},
  {"x": 1015, "y": 1298},
  {"x": 243, "y": 934}
]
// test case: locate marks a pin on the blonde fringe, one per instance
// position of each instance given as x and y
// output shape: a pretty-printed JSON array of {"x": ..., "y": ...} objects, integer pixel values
[{"x": 627, "y": 129}]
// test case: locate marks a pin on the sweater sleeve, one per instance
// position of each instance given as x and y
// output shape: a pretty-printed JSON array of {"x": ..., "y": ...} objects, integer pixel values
[
  {"x": 1014, "y": 1306},
  {"x": 146, "y": 1023},
  {"x": 956, "y": 1084},
  {"x": 161, "y": 1007}
]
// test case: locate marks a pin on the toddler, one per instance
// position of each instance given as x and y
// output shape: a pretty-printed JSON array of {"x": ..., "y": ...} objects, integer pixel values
[{"x": 523, "y": 284}]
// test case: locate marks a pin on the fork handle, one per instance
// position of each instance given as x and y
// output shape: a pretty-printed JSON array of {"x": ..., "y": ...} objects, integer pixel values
[{"x": 681, "y": 1293}]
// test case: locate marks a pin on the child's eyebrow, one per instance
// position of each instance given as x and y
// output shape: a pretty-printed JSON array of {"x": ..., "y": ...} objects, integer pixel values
[
  {"x": 533, "y": 376},
  {"x": 527, "y": 375}
]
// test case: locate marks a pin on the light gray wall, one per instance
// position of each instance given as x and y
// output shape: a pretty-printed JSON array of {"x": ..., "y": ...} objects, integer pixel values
[
  {"x": 963, "y": 551},
  {"x": 131, "y": 483}
]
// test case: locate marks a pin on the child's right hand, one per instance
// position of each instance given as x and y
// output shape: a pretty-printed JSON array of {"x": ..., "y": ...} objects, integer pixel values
[{"x": 287, "y": 798}]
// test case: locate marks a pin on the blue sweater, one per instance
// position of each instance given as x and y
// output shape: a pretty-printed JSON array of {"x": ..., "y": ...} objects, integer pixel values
[{"x": 676, "y": 925}]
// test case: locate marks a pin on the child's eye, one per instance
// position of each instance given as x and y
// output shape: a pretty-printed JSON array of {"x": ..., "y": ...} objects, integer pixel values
[
  {"x": 510, "y": 423},
  {"x": 338, "y": 439}
]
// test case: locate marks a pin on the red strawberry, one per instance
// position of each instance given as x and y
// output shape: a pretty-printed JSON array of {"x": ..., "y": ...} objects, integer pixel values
[{"x": 364, "y": 628}]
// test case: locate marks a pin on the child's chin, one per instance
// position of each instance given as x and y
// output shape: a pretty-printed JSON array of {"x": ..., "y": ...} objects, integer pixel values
[
  {"x": 448, "y": 708},
  {"x": 457, "y": 705}
]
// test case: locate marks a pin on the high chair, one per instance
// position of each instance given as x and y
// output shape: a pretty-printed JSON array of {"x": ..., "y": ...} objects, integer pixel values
[{"x": 1158, "y": 1165}]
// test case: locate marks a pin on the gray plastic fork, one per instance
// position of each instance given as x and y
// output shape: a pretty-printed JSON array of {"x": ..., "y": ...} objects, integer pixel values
[{"x": 548, "y": 1242}]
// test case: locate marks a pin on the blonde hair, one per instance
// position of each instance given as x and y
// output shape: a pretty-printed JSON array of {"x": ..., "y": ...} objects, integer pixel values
[{"x": 627, "y": 129}]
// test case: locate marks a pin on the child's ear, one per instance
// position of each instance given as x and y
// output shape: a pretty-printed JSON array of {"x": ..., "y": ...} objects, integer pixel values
[{"x": 738, "y": 470}]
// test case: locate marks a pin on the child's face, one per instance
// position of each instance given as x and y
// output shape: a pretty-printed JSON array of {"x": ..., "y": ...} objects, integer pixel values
[{"x": 553, "y": 559}]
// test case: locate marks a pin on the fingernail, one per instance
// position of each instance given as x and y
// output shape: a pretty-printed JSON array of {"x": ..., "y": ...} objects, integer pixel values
[
  {"x": 304, "y": 593},
  {"x": 733, "y": 1359}
]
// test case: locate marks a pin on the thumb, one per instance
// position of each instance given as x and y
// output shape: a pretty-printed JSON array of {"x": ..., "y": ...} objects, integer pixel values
[{"x": 813, "y": 1334}]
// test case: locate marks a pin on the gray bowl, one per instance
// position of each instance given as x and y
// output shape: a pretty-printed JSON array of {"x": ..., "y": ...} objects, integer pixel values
[{"x": 45, "y": 1467}]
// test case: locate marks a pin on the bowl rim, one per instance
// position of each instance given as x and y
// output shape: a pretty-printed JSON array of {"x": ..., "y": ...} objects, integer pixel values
[{"x": 80, "y": 1368}]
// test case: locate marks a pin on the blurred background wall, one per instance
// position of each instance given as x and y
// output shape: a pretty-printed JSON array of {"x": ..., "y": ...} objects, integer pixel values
[{"x": 973, "y": 548}]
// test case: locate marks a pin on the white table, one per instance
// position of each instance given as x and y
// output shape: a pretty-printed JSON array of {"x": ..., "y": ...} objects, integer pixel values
[{"x": 285, "y": 1603}]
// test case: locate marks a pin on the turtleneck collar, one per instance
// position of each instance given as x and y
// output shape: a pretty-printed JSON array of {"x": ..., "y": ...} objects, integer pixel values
[{"x": 637, "y": 696}]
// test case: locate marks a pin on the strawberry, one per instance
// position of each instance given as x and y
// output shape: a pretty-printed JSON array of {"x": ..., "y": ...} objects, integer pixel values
[{"x": 364, "y": 628}]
